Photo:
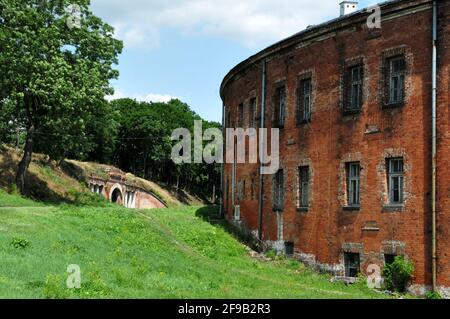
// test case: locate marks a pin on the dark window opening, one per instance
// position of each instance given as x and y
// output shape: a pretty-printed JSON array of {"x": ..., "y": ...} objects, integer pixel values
[
  {"x": 353, "y": 184},
  {"x": 253, "y": 189},
  {"x": 396, "y": 80},
  {"x": 354, "y": 88},
  {"x": 395, "y": 181},
  {"x": 304, "y": 103},
  {"x": 278, "y": 204},
  {"x": 252, "y": 113},
  {"x": 280, "y": 108},
  {"x": 240, "y": 115},
  {"x": 289, "y": 248},
  {"x": 304, "y": 186},
  {"x": 389, "y": 259},
  {"x": 352, "y": 264}
]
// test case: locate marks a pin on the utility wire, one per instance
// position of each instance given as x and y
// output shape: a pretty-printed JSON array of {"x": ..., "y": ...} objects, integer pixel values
[{"x": 92, "y": 137}]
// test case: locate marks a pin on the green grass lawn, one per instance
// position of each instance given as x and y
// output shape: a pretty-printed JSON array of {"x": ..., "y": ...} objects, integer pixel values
[{"x": 168, "y": 253}]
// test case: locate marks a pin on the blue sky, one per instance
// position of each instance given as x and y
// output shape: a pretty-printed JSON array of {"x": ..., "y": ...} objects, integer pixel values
[{"x": 184, "y": 48}]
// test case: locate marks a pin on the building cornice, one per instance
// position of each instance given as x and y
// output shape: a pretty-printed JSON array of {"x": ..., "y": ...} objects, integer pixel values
[{"x": 390, "y": 10}]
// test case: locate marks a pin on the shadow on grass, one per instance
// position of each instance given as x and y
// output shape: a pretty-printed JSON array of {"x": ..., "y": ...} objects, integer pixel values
[
  {"x": 211, "y": 214},
  {"x": 38, "y": 189}
]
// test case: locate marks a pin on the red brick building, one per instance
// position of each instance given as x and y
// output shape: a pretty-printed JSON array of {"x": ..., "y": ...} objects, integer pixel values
[{"x": 354, "y": 106}]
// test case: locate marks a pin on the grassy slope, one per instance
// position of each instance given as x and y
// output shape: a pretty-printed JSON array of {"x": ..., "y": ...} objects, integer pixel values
[
  {"x": 168, "y": 196},
  {"x": 168, "y": 253},
  {"x": 48, "y": 182}
]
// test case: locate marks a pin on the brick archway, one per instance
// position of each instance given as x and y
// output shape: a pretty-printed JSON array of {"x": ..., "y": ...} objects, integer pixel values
[{"x": 116, "y": 194}]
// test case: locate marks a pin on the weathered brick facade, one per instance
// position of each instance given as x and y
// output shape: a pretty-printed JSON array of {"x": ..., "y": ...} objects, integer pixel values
[{"x": 324, "y": 231}]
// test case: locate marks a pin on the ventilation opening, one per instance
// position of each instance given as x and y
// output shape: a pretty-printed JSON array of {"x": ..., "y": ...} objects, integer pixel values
[
  {"x": 389, "y": 259},
  {"x": 289, "y": 248}
]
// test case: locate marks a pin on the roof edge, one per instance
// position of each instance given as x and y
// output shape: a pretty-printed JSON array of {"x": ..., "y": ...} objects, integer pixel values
[{"x": 316, "y": 31}]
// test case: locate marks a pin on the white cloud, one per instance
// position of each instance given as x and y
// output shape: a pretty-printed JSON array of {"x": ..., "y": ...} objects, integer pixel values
[
  {"x": 151, "y": 97},
  {"x": 250, "y": 22},
  {"x": 154, "y": 97}
]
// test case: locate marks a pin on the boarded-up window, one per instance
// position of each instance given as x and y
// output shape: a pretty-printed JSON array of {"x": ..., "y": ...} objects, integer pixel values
[
  {"x": 240, "y": 115},
  {"x": 304, "y": 101},
  {"x": 279, "y": 107},
  {"x": 353, "y": 184},
  {"x": 253, "y": 190},
  {"x": 252, "y": 113},
  {"x": 303, "y": 176},
  {"x": 278, "y": 198}
]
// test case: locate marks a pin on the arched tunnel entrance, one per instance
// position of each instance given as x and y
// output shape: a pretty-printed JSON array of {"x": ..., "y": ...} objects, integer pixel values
[{"x": 117, "y": 197}]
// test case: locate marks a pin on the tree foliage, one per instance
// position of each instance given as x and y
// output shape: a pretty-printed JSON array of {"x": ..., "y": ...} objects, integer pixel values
[
  {"x": 56, "y": 75},
  {"x": 142, "y": 144},
  {"x": 53, "y": 79}
]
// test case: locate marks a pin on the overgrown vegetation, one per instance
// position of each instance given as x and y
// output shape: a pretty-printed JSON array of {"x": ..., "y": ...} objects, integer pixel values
[
  {"x": 171, "y": 253},
  {"x": 433, "y": 295},
  {"x": 53, "y": 77},
  {"x": 51, "y": 183},
  {"x": 398, "y": 274}
]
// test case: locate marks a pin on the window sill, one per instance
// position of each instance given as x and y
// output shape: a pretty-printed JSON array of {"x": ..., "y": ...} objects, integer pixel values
[
  {"x": 303, "y": 122},
  {"x": 393, "y": 208},
  {"x": 371, "y": 229},
  {"x": 387, "y": 106},
  {"x": 302, "y": 209},
  {"x": 351, "y": 208},
  {"x": 352, "y": 111}
]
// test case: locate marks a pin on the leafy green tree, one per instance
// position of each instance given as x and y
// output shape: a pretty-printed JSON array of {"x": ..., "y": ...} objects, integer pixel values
[
  {"x": 57, "y": 72},
  {"x": 144, "y": 147}
]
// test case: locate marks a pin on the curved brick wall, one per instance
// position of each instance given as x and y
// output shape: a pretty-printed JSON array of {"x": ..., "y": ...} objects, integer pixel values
[{"x": 326, "y": 230}]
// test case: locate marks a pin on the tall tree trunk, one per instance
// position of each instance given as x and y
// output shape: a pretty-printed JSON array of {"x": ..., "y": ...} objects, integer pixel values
[
  {"x": 17, "y": 136},
  {"x": 25, "y": 162}
]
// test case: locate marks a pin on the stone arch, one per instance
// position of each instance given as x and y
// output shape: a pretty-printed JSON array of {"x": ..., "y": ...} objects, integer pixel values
[{"x": 116, "y": 195}]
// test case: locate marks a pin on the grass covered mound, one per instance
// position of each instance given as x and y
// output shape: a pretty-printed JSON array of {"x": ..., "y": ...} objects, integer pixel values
[
  {"x": 169, "y": 253},
  {"x": 53, "y": 183}
]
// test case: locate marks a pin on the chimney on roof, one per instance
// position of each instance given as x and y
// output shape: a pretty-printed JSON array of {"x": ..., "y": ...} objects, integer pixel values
[{"x": 348, "y": 7}]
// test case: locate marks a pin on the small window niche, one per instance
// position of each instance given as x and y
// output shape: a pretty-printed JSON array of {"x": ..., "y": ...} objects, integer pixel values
[
  {"x": 289, "y": 248},
  {"x": 389, "y": 259},
  {"x": 352, "y": 264}
]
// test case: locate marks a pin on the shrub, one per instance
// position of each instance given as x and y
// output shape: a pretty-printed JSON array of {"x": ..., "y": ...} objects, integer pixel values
[
  {"x": 20, "y": 243},
  {"x": 433, "y": 295},
  {"x": 54, "y": 288},
  {"x": 13, "y": 190},
  {"x": 398, "y": 274},
  {"x": 272, "y": 254}
]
